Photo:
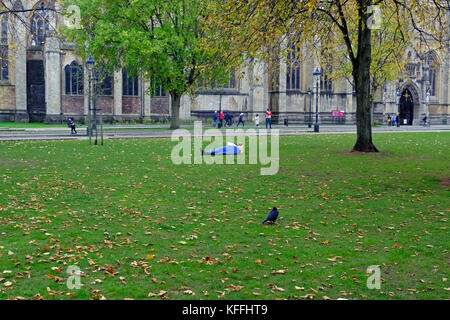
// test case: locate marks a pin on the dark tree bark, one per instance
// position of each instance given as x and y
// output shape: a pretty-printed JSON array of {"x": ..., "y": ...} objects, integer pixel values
[
  {"x": 361, "y": 77},
  {"x": 175, "y": 109}
]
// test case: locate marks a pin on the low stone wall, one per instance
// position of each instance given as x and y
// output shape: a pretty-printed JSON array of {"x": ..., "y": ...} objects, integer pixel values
[
  {"x": 160, "y": 105},
  {"x": 106, "y": 104},
  {"x": 7, "y": 97},
  {"x": 131, "y": 105},
  {"x": 72, "y": 105}
]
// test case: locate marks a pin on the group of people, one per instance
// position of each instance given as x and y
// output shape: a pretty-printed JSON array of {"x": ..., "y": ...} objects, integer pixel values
[
  {"x": 393, "y": 120},
  {"x": 220, "y": 116}
]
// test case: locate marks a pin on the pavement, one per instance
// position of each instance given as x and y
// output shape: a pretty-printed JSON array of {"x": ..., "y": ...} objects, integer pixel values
[{"x": 162, "y": 131}]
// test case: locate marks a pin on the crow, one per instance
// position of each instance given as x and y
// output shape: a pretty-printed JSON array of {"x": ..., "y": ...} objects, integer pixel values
[{"x": 272, "y": 216}]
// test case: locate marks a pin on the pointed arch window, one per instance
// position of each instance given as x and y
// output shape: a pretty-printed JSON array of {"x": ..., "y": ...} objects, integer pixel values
[
  {"x": 231, "y": 84},
  {"x": 39, "y": 25},
  {"x": 326, "y": 83},
  {"x": 293, "y": 68},
  {"x": 160, "y": 91},
  {"x": 74, "y": 75},
  {"x": 104, "y": 86},
  {"x": 4, "y": 48},
  {"x": 130, "y": 85},
  {"x": 433, "y": 68}
]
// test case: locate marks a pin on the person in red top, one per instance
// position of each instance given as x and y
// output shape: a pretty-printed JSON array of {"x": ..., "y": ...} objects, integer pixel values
[
  {"x": 269, "y": 118},
  {"x": 221, "y": 119}
]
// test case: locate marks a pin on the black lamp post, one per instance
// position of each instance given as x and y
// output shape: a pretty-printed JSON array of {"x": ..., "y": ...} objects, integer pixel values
[
  {"x": 310, "y": 111},
  {"x": 427, "y": 102},
  {"x": 399, "y": 95},
  {"x": 317, "y": 75},
  {"x": 90, "y": 67}
]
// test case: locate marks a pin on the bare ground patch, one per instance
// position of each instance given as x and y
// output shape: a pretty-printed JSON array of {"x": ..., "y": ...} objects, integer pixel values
[{"x": 357, "y": 153}]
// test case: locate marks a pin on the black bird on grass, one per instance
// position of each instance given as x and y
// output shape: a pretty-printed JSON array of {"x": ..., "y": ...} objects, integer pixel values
[{"x": 272, "y": 216}]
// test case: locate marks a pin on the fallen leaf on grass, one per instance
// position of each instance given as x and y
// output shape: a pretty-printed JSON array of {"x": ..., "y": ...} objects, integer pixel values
[
  {"x": 189, "y": 292},
  {"x": 334, "y": 258},
  {"x": 234, "y": 288},
  {"x": 161, "y": 294},
  {"x": 278, "y": 271}
]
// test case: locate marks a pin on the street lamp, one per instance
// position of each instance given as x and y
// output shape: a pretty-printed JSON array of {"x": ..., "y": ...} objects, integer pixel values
[
  {"x": 310, "y": 103},
  {"x": 384, "y": 101},
  {"x": 427, "y": 102},
  {"x": 317, "y": 75},
  {"x": 90, "y": 67}
]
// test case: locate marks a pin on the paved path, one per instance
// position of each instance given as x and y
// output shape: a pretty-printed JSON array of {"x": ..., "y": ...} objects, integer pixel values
[{"x": 122, "y": 132}]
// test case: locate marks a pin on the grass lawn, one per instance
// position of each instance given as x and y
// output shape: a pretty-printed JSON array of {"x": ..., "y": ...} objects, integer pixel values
[
  {"x": 29, "y": 125},
  {"x": 137, "y": 224}
]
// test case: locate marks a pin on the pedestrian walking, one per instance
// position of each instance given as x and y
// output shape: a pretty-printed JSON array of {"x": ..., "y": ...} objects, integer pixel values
[
  {"x": 269, "y": 118},
  {"x": 71, "y": 125},
  {"x": 221, "y": 119},
  {"x": 241, "y": 120}
]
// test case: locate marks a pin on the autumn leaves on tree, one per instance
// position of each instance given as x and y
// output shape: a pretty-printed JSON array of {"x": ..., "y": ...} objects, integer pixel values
[{"x": 365, "y": 39}]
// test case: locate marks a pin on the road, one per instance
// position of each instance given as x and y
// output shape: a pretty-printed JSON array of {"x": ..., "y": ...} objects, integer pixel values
[{"x": 124, "y": 132}]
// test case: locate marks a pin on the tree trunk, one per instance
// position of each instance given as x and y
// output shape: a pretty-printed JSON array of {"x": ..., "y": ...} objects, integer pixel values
[
  {"x": 175, "y": 108},
  {"x": 361, "y": 76}
]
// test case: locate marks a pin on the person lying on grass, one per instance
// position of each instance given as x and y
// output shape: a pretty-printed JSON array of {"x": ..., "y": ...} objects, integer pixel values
[{"x": 229, "y": 149}]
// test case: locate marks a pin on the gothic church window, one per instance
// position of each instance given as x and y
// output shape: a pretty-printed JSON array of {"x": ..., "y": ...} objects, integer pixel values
[
  {"x": 293, "y": 68},
  {"x": 130, "y": 85},
  {"x": 160, "y": 91},
  {"x": 39, "y": 25},
  {"x": 4, "y": 48},
  {"x": 231, "y": 84},
  {"x": 326, "y": 83},
  {"x": 432, "y": 74},
  {"x": 104, "y": 86},
  {"x": 74, "y": 79}
]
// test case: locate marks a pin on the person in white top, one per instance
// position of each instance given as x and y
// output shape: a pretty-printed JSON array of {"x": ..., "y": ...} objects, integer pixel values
[{"x": 257, "y": 120}]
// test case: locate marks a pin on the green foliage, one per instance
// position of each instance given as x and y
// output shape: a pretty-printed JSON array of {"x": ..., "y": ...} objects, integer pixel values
[{"x": 160, "y": 40}]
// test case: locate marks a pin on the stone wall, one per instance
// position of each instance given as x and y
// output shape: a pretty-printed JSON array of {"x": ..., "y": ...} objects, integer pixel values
[
  {"x": 73, "y": 105},
  {"x": 160, "y": 105},
  {"x": 106, "y": 104},
  {"x": 131, "y": 105},
  {"x": 7, "y": 97}
]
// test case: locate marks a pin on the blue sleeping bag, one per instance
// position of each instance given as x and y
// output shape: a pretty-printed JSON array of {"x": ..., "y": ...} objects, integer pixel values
[{"x": 230, "y": 149}]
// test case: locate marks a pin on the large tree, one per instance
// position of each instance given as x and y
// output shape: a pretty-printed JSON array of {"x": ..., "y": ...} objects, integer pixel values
[
  {"x": 158, "y": 39},
  {"x": 256, "y": 25}
]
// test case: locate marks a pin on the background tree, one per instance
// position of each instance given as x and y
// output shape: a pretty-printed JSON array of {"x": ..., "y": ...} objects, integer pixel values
[
  {"x": 389, "y": 44},
  {"x": 254, "y": 25},
  {"x": 159, "y": 39}
]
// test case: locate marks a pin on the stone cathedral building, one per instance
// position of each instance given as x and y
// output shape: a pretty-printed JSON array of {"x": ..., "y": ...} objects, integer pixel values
[{"x": 41, "y": 79}]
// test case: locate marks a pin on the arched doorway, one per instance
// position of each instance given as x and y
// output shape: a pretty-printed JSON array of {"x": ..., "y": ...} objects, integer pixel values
[{"x": 406, "y": 107}]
